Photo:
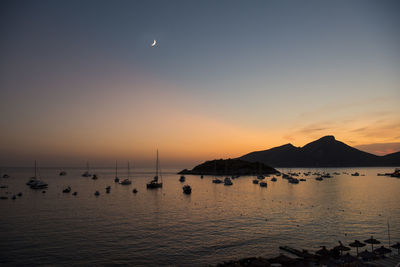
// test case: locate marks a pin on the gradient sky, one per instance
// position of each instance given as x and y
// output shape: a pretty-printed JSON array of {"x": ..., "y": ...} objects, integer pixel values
[{"x": 80, "y": 81}]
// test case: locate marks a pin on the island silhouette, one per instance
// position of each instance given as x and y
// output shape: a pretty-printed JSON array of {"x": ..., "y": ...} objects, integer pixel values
[{"x": 324, "y": 152}]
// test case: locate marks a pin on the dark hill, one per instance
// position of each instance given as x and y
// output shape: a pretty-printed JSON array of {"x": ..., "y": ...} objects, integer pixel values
[
  {"x": 230, "y": 167},
  {"x": 324, "y": 152}
]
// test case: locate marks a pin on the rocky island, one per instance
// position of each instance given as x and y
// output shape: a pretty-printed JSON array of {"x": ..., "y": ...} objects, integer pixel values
[{"x": 230, "y": 167}]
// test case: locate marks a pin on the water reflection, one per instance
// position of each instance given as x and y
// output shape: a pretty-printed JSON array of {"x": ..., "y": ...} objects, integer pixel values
[{"x": 213, "y": 224}]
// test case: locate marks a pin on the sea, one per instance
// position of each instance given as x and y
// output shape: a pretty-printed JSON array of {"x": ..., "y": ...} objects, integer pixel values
[{"x": 215, "y": 223}]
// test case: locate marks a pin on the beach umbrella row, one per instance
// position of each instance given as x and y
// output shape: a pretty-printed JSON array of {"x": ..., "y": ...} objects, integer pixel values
[{"x": 357, "y": 244}]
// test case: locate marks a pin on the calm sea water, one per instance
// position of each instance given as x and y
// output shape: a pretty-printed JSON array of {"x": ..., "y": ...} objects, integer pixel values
[{"x": 166, "y": 227}]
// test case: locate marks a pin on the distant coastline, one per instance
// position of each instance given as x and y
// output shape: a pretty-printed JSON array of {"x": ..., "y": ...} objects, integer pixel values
[{"x": 230, "y": 167}]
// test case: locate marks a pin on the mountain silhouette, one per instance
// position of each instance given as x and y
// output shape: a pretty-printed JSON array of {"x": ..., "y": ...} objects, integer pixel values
[{"x": 324, "y": 152}]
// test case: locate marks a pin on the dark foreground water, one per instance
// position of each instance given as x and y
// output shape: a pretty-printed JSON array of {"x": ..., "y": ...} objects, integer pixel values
[{"x": 166, "y": 227}]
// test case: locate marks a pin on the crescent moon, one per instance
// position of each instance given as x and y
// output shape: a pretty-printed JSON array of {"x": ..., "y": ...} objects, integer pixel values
[{"x": 154, "y": 43}]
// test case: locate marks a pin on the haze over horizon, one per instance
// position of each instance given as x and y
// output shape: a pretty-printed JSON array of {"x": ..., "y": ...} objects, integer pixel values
[{"x": 80, "y": 80}]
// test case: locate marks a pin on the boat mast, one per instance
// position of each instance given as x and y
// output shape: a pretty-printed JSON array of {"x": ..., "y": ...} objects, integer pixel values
[
  {"x": 116, "y": 168},
  {"x": 215, "y": 168},
  {"x": 35, "y": 169},
  {"x": 128, "y": 170},
  {"x": 157, "y": 164},
  {"x": 87, "y": 166}
]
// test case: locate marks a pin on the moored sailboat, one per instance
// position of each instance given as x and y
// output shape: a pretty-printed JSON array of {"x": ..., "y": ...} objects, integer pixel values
[
  {"x": 155, "y": 183},
  {"x": 127, "y": 181},
  {"x": 116, "y": 179},
  {"x": 86, "y": 173},
  {"x": 36, "y": 183}
]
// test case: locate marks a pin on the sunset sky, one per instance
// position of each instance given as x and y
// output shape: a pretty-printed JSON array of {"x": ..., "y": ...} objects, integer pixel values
[{"x": 80, "y": 81}]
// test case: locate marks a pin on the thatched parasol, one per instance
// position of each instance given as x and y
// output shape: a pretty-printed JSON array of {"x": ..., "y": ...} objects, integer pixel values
[
  {"x": 397, "y": 245},
  {"x": 357, "y": 244},
  {"x": 347, "y": 258},
  {"x": 323, "y": 252},
  {"x": 382, "y": 250},
  {"x": 372, "y": 241},
  {"x": 341, "y": 248},
  {"x": 366, "y": 255}
]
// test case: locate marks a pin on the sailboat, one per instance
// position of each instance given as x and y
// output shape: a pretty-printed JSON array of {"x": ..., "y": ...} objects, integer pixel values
[
  {"x": 86, "y": 173},
  {"x": 127, "y": 181},
  {"x": 155, "y": 183},
  {"x": 35, "y": 183},
  {"x": 116, "y": 179},
  {"x": 216, "y": 180}
]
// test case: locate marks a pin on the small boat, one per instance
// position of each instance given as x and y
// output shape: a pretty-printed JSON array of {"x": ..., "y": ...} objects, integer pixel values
[
  {"x": 116, "y": 179},
  {"x": 6, "y": 176},
  {"x": 302, "y": 180},
  {"x": 134, "y": 190},
  {"x": 263, "y": 184},
  {"x": 108, "y": 189},
  {"x": 355, "y": 174},
  {"x": 126, "y": 182},
  {"x": 3, "y": 186},
  {"x": 187, "y": 189},
  {"x": 217, "y": 181},
  {"x": 396, "y": 173},
  {"x": 32, "y": 180},
  {"x": 260, "y": 177},
  {"x": 14, "y": 197},
  {"x": 97, "y": 193},
  {"x": 153, "y": 184},
  {"x": 182, "y": 179},
  {"x": 39, "y": 185},
  {"x": 293, "y": 180},
  {"x": 94, "y": 177},
  {"x": 273, "y": 179},
  {"x": 202, "y": 176},
  {"x": 62, "y": 173},
  {"x": 67, "y": 190},
  {"x": 19, "y": 194},
  {"x": 3, "y": 197},
  {"x": 74, "y": 193},
  {"x": 44, "y": 192},
  {"x": 86, "y": 173},
  {"x": 227, "y": 181},
  {"x": 319, "y": 178},
  {"x": 255, "y": 181}
]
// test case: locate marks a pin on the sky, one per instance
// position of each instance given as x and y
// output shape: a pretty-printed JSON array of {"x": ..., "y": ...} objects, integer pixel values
[{"x": 79, "y": 80}]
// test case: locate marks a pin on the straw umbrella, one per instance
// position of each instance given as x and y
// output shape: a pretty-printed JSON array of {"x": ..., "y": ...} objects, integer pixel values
[
  {"x": 323, "y": 252},
  {"x": 372, "y": 241},
  {"x": 357, "y": 244},
  {"x": 366, "y": 255},
  {"x": 341, "y": 248},
  {"x": 347, "y": 258},
  {"x": 382, "y": 250},
  {"x": 397, "y": 245}
]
